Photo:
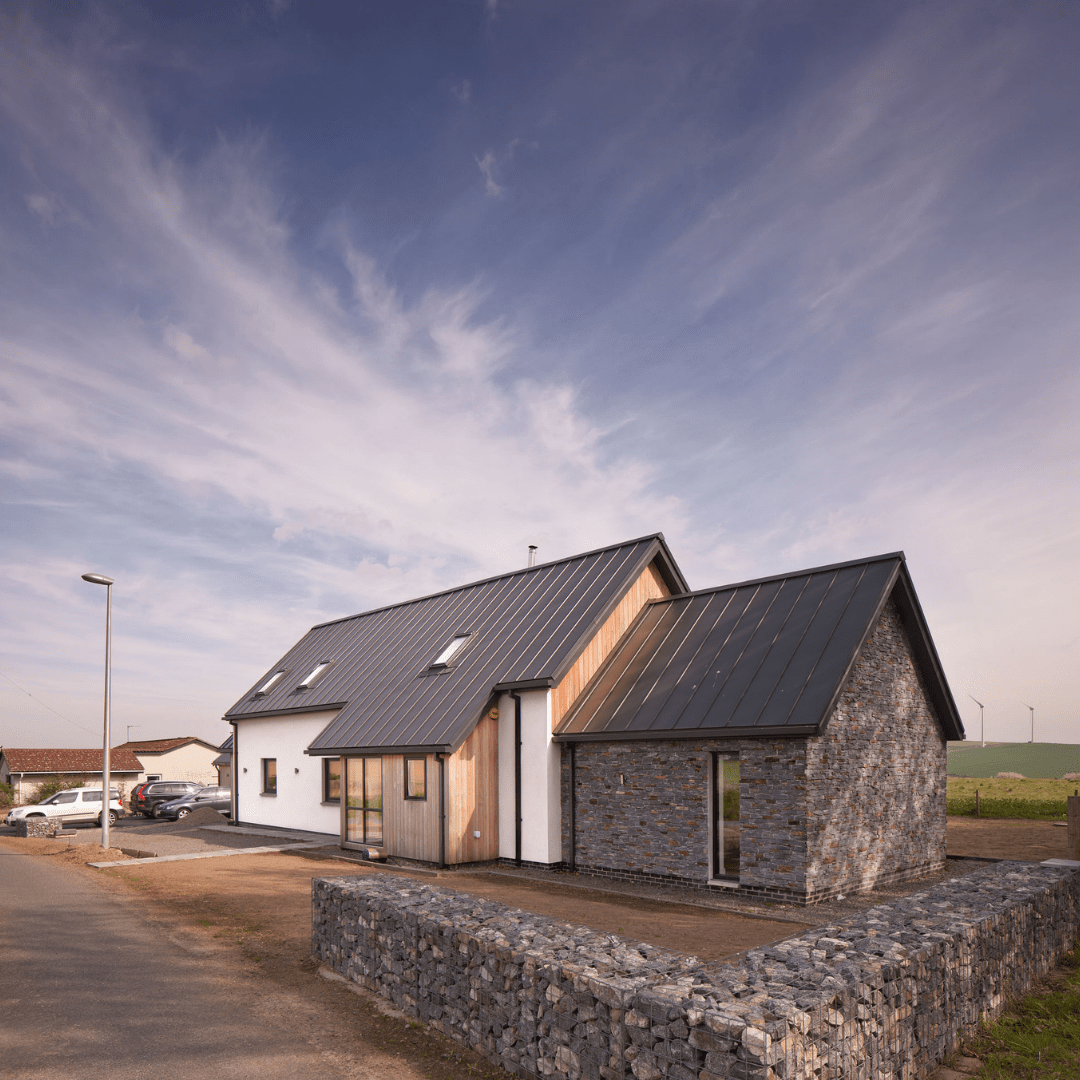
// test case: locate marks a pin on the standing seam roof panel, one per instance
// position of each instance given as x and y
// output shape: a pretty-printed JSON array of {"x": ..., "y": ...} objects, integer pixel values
[
  {"x": 838, "y": 654},
  {"x": 519, "y": 620},
  {"x": 728, "y": 661}
]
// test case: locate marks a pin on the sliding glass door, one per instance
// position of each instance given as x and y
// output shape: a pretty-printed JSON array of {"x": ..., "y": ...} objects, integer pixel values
[{"x": 363, "y": 805}]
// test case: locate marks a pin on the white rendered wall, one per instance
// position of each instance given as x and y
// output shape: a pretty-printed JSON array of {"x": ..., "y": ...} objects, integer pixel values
[
  {"x": 541, "y": 827},
  {"x": 298, "y": 802},
  {"x": 191, "y": 762}
]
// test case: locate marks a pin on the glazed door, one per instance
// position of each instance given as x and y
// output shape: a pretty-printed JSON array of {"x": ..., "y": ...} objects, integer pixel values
[{"x": 363, "y": 801}]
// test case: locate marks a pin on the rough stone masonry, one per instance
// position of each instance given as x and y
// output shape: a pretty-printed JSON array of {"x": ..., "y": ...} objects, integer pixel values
[
  {"x": 861, "y": 804},
  {"x": 886, "y": 994}
]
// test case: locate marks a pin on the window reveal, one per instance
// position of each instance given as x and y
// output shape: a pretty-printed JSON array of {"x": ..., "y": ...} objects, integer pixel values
[
  {"x": 331, "y": 784},
  {"x": 416, "y": 778}
]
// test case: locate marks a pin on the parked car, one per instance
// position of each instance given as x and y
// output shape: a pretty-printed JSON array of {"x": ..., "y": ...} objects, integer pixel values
[
  {"x": 217, "y": 798},
  {"x": 73, "y": 805},
  {"x": 145, "y": 798}
]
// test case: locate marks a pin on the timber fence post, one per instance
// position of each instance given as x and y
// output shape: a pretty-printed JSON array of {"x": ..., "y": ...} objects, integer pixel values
[{"x": 1074, "y": 827}]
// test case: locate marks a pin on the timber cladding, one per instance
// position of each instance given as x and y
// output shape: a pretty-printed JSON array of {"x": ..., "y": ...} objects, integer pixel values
[
  {"x": 472, "y": 795},
  {"x": 649, "y": 586}
]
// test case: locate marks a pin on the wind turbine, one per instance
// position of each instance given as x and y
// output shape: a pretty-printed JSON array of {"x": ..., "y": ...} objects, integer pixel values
[
  {"x": 1032, "y": 708},
  {"x": 982, "y": 726}
]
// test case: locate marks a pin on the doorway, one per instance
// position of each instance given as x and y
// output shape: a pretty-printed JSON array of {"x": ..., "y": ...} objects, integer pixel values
[
  {"x": 363, "y": 802},
  {"x": 724, "y": 827}
]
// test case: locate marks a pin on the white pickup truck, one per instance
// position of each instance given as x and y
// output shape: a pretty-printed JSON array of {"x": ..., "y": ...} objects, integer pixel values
[{"x": 74, "y": 804}]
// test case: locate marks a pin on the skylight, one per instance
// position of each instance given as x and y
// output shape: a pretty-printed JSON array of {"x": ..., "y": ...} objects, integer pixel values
[
  {"x": 315, "y": 673},
  {"x": 271, "y": 682},
  {"x": 451, "y": 650}
]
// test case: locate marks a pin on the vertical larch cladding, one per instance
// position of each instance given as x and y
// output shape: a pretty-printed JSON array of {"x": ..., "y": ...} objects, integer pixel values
[
  {"x": 862, "y": 802},
  {"x": 875, "y": 777}
]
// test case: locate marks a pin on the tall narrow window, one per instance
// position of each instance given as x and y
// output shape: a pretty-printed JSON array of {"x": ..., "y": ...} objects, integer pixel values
[
  {"x": 331, "y": 780},
  {"x": 269, "y": 776},
  {"x": 416, "y": 778},
  {"x": 363, "y": 807},
  {"x": 726, "y": 838}
]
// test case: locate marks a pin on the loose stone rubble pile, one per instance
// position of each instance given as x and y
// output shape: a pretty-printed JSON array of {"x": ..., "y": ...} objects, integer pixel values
[{"x": 886, "y": 994}]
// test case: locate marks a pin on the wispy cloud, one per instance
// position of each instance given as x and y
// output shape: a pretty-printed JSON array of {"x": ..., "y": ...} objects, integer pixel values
[{"x": 487, "y": 165}]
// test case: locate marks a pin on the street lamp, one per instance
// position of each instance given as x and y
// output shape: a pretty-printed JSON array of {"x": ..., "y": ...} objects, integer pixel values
[
  {"x": 982, "y": 726},
  {"x": 1032, "y": 708},
  {"x": 100, "y": 579}
]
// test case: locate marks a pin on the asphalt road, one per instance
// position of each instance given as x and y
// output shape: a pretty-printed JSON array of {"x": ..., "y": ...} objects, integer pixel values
[{"x": 91, "y": 989}]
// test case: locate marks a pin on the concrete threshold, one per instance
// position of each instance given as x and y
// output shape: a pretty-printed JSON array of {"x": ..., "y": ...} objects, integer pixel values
[{"x": 208, "y": 854}]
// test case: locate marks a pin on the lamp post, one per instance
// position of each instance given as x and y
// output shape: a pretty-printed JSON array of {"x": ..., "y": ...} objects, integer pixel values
[
  {"x": 1032, "y": 708},
  {"x": 100, "y": 579},
  {"x": 982, "y": 726}
]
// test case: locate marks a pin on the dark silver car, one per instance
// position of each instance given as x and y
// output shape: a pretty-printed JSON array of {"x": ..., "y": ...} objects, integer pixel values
[{"x": 217, "y": 798}]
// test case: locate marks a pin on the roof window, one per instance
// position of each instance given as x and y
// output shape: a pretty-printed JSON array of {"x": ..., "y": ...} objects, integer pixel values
[
  {"x": 451, "y": 650},
  {"x": 270, "y": 683},
  {"x": 316, "y": 671}
]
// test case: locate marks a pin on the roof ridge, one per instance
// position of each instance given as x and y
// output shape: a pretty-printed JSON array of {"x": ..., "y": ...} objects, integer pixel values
[
  {"x": 780, "y": 577},
  {"x": 494, "y": 577}
]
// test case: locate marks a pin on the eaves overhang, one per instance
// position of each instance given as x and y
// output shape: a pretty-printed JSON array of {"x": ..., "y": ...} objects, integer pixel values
[
  {"x": 789, "y": 731},
  {"x": 371, "y": 751},
  {"x": 232, "y": 718}
]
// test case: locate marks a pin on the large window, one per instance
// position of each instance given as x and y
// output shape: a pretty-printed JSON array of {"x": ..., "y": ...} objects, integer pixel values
[
  {"x": 363, "y": 807},
  {"x": 416, "y": 778},
  {"x": 269, "y": 776},
  {"x": 331, "y": 780}
]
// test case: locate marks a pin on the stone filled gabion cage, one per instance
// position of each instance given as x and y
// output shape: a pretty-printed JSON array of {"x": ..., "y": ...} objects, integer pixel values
[{"x": 887, "y": 994}]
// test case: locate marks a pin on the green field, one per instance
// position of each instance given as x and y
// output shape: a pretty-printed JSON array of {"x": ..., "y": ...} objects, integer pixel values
[
  {"x": 1036, "y": 800},
  {"x": 1038, "y": 760}
]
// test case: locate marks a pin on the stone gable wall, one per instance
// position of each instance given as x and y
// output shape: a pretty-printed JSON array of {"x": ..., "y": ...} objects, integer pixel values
[{"x": 876, "y": 777}]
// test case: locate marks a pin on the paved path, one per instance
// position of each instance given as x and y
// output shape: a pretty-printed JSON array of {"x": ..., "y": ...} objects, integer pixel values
[{"x": 93, "y": 990}]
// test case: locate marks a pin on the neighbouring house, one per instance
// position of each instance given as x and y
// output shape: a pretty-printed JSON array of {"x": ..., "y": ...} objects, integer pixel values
[
  {"x": 181, "y": 758},
  {"x": 27, "y": 769},
  {"x": 223, "y": 764},
  {"x": 784, "y": 736}
]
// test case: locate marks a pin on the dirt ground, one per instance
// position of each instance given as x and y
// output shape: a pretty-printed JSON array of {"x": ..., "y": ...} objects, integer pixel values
[
  {"x": 251, "y": 914},
  {"x": 1007, "y": 838}
]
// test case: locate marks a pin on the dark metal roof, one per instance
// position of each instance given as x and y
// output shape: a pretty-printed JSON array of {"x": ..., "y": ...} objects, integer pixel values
[
  {"x": 525, "y": 628},
  {"x": 761, "y": 657}
]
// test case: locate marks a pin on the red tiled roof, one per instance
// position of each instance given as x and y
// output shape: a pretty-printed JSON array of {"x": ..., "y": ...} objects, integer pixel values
[
  {"x": 160, "y": 746},
  {"x": 68, "y": 761}
]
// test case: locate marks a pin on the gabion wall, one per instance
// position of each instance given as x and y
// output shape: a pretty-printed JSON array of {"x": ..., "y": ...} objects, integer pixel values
[
  {"x": 887, "y": 994},
  {"x": 38, "y": 826}
]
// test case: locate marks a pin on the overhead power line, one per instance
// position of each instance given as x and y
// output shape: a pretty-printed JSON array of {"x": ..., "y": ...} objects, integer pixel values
[{"x": 44, "y": 706}]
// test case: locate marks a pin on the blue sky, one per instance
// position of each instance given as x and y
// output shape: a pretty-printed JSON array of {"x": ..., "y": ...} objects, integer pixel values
[{"x": 307, "y": 308}]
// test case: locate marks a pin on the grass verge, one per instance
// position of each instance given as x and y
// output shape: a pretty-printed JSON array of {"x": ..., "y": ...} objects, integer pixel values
[
  {"x": 1035, "y": 800},
  {"x": 1038, "y": 1037}
]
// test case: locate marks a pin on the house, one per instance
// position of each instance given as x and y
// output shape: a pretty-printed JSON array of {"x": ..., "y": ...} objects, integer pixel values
[
  {"x": 784, "y": 736},
  {"x": 27, "y": 769},
  {"x": 182, "y": 758},
  {"x": 223, "y": 764}
]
